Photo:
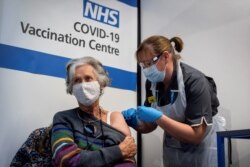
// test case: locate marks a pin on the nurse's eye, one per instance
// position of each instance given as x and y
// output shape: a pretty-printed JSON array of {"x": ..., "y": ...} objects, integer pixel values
[{"x": 147, "y": 64}]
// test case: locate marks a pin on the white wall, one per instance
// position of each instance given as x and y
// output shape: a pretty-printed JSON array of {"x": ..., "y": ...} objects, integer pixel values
[{"x": 216, "y": 37}]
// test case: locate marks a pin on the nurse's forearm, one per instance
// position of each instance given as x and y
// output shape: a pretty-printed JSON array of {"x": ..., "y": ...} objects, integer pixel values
[{"x": 181, "y": 131}]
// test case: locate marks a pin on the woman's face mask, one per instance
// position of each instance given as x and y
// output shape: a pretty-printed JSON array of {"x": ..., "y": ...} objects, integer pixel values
[
  {"x": 87, "y": 93},
  {"x": 153, "y": 74}
]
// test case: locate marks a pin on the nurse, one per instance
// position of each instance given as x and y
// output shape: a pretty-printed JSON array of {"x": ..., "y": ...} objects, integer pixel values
[{"x": 181, "y": 100}]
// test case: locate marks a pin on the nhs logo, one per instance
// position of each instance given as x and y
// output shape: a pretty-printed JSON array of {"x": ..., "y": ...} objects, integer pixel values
[{"x": 101, "y": 13}]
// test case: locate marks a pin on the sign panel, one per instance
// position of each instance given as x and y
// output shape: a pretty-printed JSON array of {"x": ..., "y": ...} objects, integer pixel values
[{"x": 38, "y": 38}]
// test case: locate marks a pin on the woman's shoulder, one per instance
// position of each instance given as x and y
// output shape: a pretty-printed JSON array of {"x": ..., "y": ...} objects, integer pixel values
[
  {"x": 116, "y": 114},
  {"x": 117, "y": 121},
  {"x": 65, "y": 115},
  {"x": 67, "y": 112}
]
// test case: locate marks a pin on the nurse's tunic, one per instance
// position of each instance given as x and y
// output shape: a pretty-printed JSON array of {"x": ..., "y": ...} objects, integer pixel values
[{"x": 192, "y": 100}]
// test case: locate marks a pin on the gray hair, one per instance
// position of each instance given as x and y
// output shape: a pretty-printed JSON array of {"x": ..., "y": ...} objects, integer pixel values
[{"x": 102, "y": 75}]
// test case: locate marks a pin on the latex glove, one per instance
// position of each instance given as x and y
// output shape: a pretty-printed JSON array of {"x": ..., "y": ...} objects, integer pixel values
[
  {"x": 148, "y": 114},
  {"x": 131, "y": 117}
]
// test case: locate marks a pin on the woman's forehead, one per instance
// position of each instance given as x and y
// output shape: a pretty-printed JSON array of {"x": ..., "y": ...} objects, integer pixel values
[{"x": 85, "y": 69}]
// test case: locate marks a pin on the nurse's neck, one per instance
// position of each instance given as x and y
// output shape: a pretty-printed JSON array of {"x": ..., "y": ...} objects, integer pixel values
[{"x": 168, "y": 77}]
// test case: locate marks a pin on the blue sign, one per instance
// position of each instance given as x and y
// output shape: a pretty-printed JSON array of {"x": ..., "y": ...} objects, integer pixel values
[{"x": 101, "y": 13}]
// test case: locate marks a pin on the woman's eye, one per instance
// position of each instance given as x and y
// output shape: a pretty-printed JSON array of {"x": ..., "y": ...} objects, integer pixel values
[
  {"x": 77, "y": 80},
  {"x": 88, "y": 79}
]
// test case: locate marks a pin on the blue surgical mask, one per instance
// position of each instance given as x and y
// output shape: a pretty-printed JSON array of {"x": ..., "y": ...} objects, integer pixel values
[{"x": 153, "y": 74}]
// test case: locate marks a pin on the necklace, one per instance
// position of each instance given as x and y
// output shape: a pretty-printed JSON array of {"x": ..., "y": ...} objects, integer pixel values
[
  {"x": 90, "y": 129},
  {"x": 90, "y": 120}
]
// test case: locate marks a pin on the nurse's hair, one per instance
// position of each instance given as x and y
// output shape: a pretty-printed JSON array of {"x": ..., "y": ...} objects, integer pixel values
[
  {"x": 157, "y": 44},
  {"x": 102, "y": 75}
]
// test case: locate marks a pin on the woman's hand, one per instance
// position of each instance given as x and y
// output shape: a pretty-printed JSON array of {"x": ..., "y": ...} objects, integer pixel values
[{"x": 128, "y": 147}]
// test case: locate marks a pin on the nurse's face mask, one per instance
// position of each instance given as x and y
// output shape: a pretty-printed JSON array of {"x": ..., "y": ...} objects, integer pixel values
[{"x": 150, "y": 70}]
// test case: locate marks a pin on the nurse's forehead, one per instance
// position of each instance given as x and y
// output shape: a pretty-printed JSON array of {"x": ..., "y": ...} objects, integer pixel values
[{"x": 145, "y": 56}]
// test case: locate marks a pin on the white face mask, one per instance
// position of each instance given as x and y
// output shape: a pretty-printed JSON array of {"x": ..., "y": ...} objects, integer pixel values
[
  {"x": 153, "y": 74},
  {"x": 87, "y": 93}
]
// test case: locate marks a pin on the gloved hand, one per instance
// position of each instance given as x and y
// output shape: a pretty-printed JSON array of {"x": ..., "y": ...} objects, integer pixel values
[
  {"x": 148, "y": 114},
  {"x": 131, "y": 117}
]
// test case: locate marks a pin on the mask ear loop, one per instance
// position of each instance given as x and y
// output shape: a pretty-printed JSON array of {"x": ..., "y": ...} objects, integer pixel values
[
  {"x": 101, "y": 91},
  {"x": 159, "y": 61}
]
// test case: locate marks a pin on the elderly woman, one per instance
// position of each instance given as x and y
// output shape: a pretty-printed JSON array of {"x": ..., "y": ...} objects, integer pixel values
[{"x": 89, "y": 135}]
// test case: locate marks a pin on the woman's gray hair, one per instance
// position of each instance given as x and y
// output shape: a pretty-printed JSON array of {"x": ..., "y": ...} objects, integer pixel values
[{"x": 102, "y": 75}]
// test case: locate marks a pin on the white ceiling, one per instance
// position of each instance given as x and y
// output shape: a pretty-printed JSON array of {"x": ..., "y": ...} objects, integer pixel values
[{"x": 195, "y": 15}]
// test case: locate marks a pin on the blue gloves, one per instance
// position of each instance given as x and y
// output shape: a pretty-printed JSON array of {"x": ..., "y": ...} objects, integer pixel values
[
  {"x": 131, "y": 117},
  {"x": 148, "y": 114},
  {"x": 142, "y": 113}
]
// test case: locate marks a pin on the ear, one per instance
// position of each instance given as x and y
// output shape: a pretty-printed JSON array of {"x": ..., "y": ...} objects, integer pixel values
[{"x": 166, "y": 55}]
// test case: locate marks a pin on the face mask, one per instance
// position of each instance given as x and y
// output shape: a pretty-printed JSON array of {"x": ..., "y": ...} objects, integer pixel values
[
  {"x": 87, "y": 93},
  {"x": 153, "y": 74}
]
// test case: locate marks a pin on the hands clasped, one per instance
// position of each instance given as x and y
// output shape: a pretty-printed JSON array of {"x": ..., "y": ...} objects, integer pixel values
[{"x": 128, "y": 147}]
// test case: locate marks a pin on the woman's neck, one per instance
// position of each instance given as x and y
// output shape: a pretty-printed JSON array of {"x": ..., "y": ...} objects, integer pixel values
[{"x": 93, "y": 110}]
